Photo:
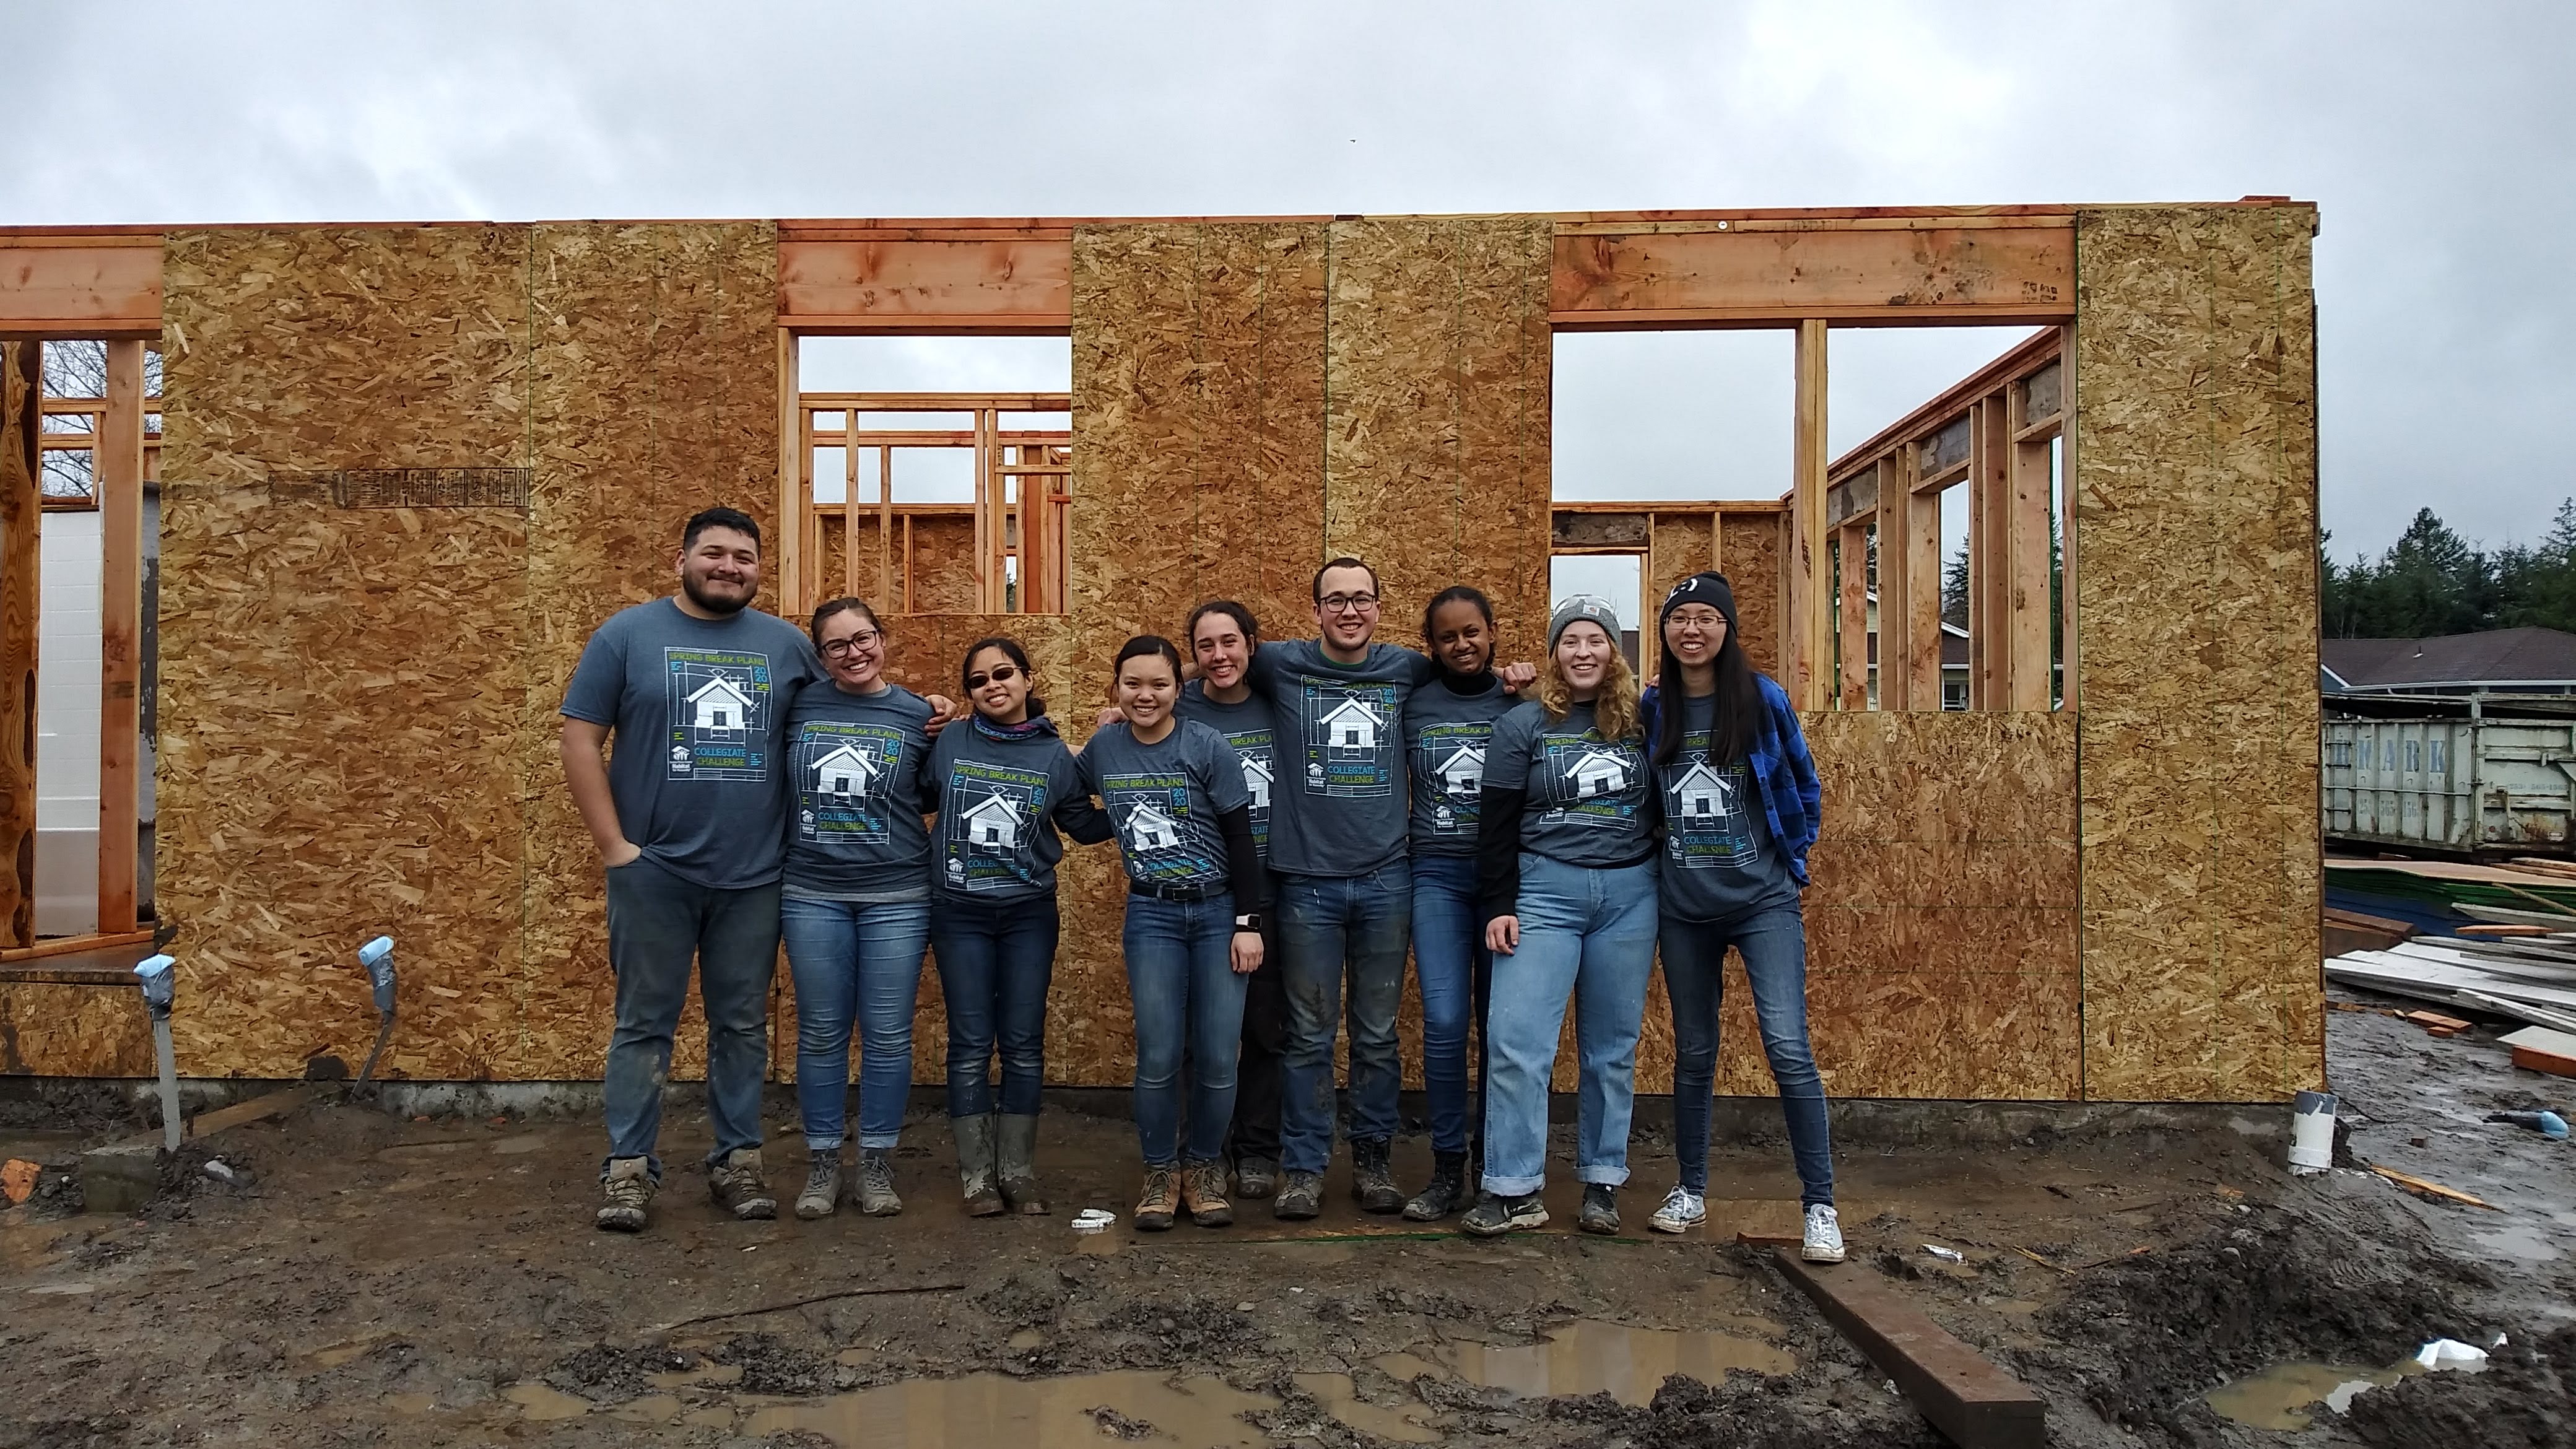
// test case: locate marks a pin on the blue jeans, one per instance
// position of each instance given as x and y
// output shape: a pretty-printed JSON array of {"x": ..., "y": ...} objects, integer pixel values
[
  {"x": 658, "y": 923},
  {"x": 1588, "y": 935},
  {"x": 1773, "y": 943},
  {"x": 995, "y": 962},
  {"x": 1457, "y": 975},
  {"x": 1180, "y": 975},
  {"x": 854, "y": 961},
  {"x": 1329, "y": 925}
]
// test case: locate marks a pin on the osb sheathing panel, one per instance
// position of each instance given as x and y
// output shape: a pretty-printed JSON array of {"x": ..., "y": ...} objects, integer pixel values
[
  {"x": 942, "y": 574},
  {"x": 1436, "y": 435},
  {"x": 1750, "y": 557},
  {"x": 2195, "y": 482},
  {"x": 20, "y": 506},
  {"x": 341, "y": 688},
  {"x": 52, "y": 1029},
  {"x": 654, "y": 394}
]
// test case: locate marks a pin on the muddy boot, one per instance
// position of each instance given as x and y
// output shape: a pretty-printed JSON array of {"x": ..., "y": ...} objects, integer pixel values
[
  {"x": 1600, "y": 1212},
  {"x": 1203, "y": 1194},
  {"x": 1494, "y": 1214},
  {"x": 872, "y": 1186},
  {"x": 1017, "y": 1142},
  {"x": 626, "y": 1191},
  {"x": 1256, "y": 1177},
  {"x": 1301, "y": 1196},
  {"x": 975, "y": 1165},
  {"x": 822, "y": 1184},
  {"x": 1446, "y": 1193},
  {"x": 736, "y": 1186},
  {"x": 1372, "y": 1180},
  {"x": 1154, "y": 1204}
]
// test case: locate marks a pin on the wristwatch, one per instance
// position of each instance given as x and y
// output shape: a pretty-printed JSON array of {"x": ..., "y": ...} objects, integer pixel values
[{"x": 1248, "y": 922}]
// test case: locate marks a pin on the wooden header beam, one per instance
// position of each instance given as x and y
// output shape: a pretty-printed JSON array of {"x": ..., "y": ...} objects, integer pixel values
[{"x": 81, "y": 285}]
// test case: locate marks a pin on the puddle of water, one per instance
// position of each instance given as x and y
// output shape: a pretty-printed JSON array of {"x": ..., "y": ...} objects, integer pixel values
[
  {"x": 536, "y": 1401},
  {"x": 650, "y": 1409},
  {"x": 2520, "y": 1240},
  {"x": 708, "y": 1419},
  {"x": 992, "y": 1409},
  {"x": 1404, "y": 1368},
  {"x": 1629, "y": 1364},
  {"x": 1342, "y": 1401},
  {"x": 2280, "y": 1397},
  {"x": 1027, "y": 1338},
  {"x": 25, "y": 1249}
]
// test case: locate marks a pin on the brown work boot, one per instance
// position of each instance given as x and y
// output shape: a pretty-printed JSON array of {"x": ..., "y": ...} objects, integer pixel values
[
  {"x": 736, "y": 1185},
  {"x": 1154, "y": 1204},
  {"x": 626, "y": 1191},
  {"x": 1372, "y": 1179},
  {"x": 1203, "y": 1194}
]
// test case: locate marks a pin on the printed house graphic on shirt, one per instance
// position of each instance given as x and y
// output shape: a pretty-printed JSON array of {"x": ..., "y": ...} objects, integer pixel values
[
  {"x": 1701, "y": 794},
  {"x": 1352, "y": 725},
  {"x": 1148, "y": 828},
  {"x": 1256, "y": 778},
  {"x": 993, "y": 825},
  {"x": 845, "y": 772},
  {"x": 719, "y": 706},
  {"x": 1463, "y": 773},
  {"x": 1599, "y": 774}
]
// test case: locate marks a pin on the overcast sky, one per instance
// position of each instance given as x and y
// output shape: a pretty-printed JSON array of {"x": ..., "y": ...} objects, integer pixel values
[{"x": 2437, "y": 140}]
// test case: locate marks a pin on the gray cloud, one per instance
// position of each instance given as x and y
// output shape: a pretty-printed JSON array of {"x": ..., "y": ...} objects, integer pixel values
[{"x": 2437, "y": 144}]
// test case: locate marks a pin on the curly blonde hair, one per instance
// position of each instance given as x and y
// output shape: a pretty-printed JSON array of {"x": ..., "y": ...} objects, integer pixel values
[{"x": 1614, "y": 709}]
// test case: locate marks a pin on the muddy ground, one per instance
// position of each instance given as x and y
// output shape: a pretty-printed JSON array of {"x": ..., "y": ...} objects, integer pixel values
[{"x": 373, "y": 1279}]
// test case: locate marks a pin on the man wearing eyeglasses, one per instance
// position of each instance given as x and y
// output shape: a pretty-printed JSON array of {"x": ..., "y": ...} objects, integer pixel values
[
  {"x": 1342, "y": 884},
  {"x": 691, "y": 821}
]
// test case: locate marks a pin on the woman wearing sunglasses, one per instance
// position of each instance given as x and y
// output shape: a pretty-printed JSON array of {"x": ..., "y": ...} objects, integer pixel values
[{"x": 1001, "y": 784}]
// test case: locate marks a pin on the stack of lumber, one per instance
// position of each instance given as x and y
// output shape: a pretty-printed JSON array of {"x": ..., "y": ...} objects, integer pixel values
[
  {"x": 2524, "y": 969},
  {"x": 2433, "y": 889}
]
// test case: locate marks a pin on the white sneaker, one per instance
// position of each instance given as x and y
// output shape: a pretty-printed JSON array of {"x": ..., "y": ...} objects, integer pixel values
[
  {"x": 1682, "y": 1210},
  {"x": 1824, "y": 1240}
]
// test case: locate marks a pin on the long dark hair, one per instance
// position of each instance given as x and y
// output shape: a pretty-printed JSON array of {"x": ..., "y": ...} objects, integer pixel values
[
  {"x": 1010, "y": 650},
  {"x": 1734, "y": 724},
  {"x": 1458, "y": 594}
]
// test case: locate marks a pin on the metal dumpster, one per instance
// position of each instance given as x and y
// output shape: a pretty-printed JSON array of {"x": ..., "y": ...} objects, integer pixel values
[{"x": 2462, "y": 774}]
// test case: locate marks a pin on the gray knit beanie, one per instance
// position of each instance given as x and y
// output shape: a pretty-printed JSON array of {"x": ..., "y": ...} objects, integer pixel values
[{"x": 1582, "y": 606}]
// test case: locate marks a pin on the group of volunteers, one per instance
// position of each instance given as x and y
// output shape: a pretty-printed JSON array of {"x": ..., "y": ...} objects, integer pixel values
[{"x": 1295, "y": 817}]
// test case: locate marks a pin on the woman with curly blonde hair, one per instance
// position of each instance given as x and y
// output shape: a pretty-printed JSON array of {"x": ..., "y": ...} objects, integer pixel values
[{"x": 1565, "y": 879}]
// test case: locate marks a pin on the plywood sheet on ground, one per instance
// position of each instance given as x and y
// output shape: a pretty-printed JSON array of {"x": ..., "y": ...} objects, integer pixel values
[{"x": 2195, "y": 490}]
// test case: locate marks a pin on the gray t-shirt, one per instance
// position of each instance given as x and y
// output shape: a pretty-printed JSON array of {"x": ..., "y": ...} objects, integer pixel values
[
  {"x": 857, "y": 835},
  {"x": 1590, "y": 800},
  {"x": 999, "y": 802},
  {"x": 697, "y": 714},
  {"x": 1246, "y": 726},
  {"x": 1338, "y": 806},
  {"x": 1445, "y": 737},
  {"x": 1164, "y": 799},
  {"x": 1719, "y": 861}
]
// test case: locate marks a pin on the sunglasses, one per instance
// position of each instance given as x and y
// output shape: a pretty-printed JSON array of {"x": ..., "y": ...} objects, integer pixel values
[{"x": 999, "y": 672}]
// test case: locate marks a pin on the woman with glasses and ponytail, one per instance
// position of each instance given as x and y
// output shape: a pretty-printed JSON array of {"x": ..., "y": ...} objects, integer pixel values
[
  {"x": 1740, "y": 798},
  {"x": 1002, "y": 784}
]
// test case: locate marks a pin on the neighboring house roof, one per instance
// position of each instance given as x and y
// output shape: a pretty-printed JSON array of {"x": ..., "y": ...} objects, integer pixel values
[
  {"x": 1954, "y": 646},
  {"x": 2496, "y": 659}
]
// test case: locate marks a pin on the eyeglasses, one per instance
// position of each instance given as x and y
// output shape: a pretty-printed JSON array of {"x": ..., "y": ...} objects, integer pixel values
[
  {"x": 1700, "y": 618},
  {"x": 836, "y": 648},
  {"x": 1000, "y": 672},
  {"x": 1348, "y": 603}
]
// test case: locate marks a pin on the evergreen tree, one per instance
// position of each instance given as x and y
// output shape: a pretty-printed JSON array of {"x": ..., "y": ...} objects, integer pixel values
[{"x": 1954, "y": 589}]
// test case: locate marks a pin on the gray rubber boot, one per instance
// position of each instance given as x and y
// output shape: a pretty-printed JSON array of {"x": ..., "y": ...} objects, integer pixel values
[
  {"x": 975, "y": 1164},
  {"x": 1019, "y": 1151}
]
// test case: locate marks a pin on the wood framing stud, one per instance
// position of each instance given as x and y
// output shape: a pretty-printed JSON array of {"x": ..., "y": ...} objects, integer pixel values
[
  {"x": 1896, "y": 506},
  {"x": 1976, "y": 1404},
  {"x": 1811, "y": 598},
  {"x": 1739, "y": 273},
  {"x": 1851, "y": 552},
  {"x": 21, "y": 507},
  {"x": 119, "y": 481}
]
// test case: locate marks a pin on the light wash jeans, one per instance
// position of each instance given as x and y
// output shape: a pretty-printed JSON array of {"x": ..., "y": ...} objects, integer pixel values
[
  {"x": 657, "y": 924},
  {"x": 854, "y": 961},
  {"x": 1329, "y": 925},
  {"x": 1180, "y": 975},
  {"x": 1457, "y": 975},
  {"x": 1589, "y": 936},
  {"x": 1773, "y": 942}
]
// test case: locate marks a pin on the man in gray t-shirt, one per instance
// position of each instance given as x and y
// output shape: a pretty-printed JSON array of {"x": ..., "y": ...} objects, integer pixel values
[{"x": 690, "y": 816}]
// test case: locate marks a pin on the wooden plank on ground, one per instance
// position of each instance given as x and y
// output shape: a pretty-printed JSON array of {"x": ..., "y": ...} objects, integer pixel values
[
  {"x": 257, "y": 1109},
  {"x": 1964, "y": 1396}
]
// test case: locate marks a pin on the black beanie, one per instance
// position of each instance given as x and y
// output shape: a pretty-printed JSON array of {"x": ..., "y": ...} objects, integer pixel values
[{"x": 1702, "y": 588}]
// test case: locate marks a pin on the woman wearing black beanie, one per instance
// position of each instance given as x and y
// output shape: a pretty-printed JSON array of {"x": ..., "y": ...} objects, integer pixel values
[{"x": 1740, "y": 803}]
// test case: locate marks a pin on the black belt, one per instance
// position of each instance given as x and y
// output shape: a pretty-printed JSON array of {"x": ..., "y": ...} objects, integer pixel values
[{"x": 1179, "y": 895}]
